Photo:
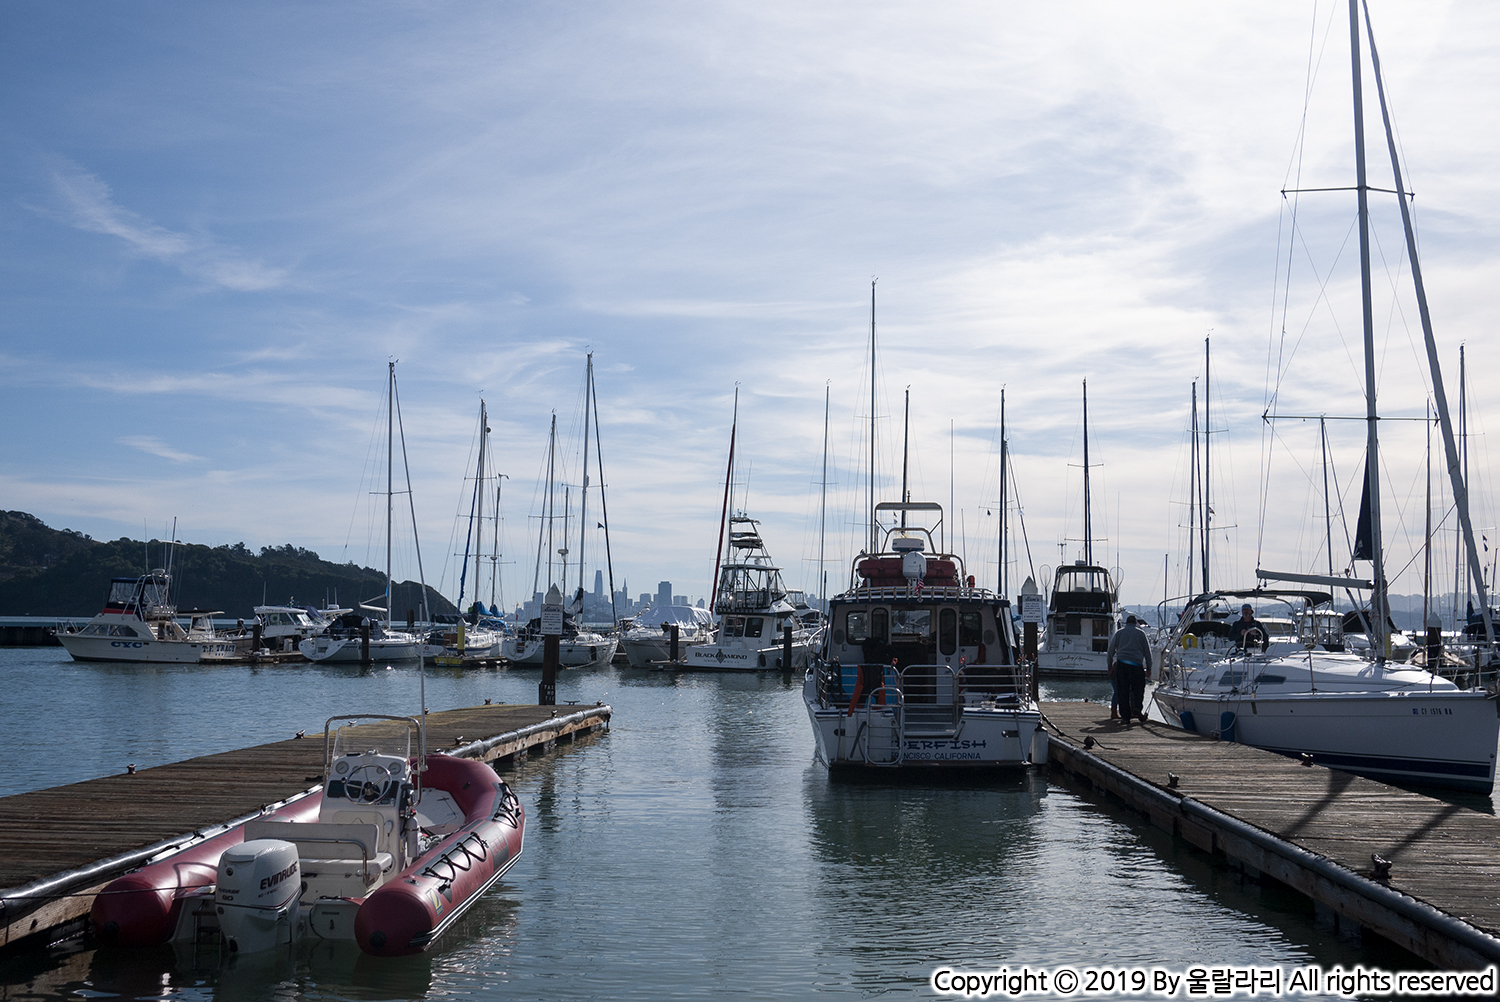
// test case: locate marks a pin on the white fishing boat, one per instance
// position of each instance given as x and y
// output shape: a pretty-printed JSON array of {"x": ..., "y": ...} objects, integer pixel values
[
  {"x": 751, "y": 610},
  {"x": 139, "y": 623},
  {"x": 356, "y": 638},
  {"x": 1084, "y": 609},
  {"x": 919, "y": 669},
  {"x": 1363, "y": 713},
  {"x": 648, "y": 640},
  {"x": 283, "y": 627}
]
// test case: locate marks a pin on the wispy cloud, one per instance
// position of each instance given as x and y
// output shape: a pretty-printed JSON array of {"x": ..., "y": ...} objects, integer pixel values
[
  {"x": 89, "y": 205},
  {"x": 156, "y": 447}
]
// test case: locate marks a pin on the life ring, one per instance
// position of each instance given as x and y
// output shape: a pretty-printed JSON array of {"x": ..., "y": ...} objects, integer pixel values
[{"x": 1189, "y": 640}]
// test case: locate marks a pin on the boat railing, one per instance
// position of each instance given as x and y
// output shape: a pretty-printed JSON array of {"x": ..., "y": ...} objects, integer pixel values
[
  {"x": 891, "y": 704},
  {"x": 933, "y": 593}
]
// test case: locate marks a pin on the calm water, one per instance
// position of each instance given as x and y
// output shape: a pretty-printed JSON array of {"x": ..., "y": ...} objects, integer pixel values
[{"x": 695, "y": 850}]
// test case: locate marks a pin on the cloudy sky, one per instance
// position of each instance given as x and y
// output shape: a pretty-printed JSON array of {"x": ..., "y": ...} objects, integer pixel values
[{"x": 219, "y": 223}]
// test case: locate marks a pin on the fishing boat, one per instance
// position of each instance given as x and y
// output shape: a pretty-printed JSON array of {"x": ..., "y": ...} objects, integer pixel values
[
  {"x": 139, "y": 623},
  {"x": 649, "y": 639},
  {"x": 755, "y": 625},
  {"x": 356, "y": 638},
  {"x": 388, "y": 852},
  {"x": 1084, "y": 609},
  {"x": 1360, "y": 712},
  {"x": 919, "y": 669}
]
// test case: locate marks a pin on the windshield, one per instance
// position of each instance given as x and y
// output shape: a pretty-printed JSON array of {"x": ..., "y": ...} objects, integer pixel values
[{"x": 386, "y": 737}]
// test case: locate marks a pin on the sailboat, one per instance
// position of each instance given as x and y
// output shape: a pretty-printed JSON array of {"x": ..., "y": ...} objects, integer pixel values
[
  {"x": 481, "y": 634},
  {"x": 1358, "y": 712},
  {"x": 1084, "y": 610},
  {"x": 353, "y": 637},
  {"x": 578, "y": 647}
]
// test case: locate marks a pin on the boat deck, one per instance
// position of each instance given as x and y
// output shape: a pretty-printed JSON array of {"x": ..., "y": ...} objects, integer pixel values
[
  {"x": 90, "y": 828},
  {"x": 1272, "y": 816}
]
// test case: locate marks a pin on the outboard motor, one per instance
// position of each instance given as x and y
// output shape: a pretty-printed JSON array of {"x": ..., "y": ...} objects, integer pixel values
[{"x": 258, "y": 886}]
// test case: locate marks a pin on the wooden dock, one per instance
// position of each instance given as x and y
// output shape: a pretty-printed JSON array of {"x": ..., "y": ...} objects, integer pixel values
[
  {"x": 59, "y": 847},
  {"x": 1311, "y": 828}
]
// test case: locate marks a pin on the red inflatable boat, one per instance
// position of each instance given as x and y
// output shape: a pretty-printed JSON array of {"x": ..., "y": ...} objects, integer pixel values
[{"x": 386, "y": 854}]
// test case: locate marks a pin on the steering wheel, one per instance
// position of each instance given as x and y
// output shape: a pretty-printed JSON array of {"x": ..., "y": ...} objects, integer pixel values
[
  {"x": 1253, "y": 636},
  {"x": 368, "y": 784}
]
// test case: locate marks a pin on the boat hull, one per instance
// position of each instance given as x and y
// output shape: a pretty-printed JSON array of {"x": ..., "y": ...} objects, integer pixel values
[
  {"x": 729, "y": 657},
  {"x": 1079, "y": 663},
  {"x": 85, "y": 648},
  {"x": 1440, "y": 739},
  {"x": 349, "y": 649},
  {"x": 570, "y": 654},
  {"x": 877, "y": 738}
]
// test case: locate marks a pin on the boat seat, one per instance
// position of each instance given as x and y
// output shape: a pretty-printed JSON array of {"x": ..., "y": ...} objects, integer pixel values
[{"x": 329, "y": 849}]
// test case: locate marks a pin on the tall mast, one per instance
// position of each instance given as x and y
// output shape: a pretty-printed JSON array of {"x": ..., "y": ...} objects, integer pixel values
[
  {"x": 734, "y": 425},
  {"x": 484, "y": 434},
  {"x": 1004, "y": 458},
  {"x": 1088, "y": 528},
  {"x": 1372, "y": 448},
  {"x": 583, "y": 504},
  {"x": 609, "y": 559},
  {"x": 1193, "y": 493},
  {"x": 411, "y": 502},
  {"x": 823, "y": 507},
  {"x": 390, "y": 458},
  {"x": 1207, "y": 438},
  {"x": 1445, "y": 419},
  {"x": 1327, "y": 507},
  {"x": 874, "y": 530}
]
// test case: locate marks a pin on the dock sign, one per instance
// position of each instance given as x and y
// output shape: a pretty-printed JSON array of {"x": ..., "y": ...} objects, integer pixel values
[
  {"x": 552, "y": 613},
  {"x": 1033, "y": 608}
]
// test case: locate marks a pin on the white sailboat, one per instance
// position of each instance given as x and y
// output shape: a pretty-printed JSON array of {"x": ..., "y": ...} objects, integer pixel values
[
  {"x": 578, "y": 646},
  {"x": 357, "y": 638},
  {"x": 1084, "y": 610},
  {"x": 1361, "y": 713}
]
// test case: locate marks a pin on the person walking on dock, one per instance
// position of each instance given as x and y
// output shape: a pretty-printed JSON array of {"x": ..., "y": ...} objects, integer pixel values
[{"x": 1130, "y": 661}]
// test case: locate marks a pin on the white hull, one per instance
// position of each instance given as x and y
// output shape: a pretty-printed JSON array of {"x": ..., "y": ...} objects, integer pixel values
[
  {"x": 393, "y": 647},
  {"x": 1072, "y": 663},
  {"x": 642, "y": 652},
  {"x": 83, "y": 648},
  {"x": 1391, "y": 724},
  {"x": 972, "y": 733},
  {"x": 570, "y": 653},
  {"x": 732, "y": 657}
]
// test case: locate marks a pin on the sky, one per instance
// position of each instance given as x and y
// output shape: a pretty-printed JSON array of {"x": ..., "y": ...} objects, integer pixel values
[{"x": 220, "y": 223}]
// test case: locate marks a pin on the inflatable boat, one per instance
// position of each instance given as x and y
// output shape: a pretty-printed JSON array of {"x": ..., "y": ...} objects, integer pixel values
[{"x": 388, "y": 854}]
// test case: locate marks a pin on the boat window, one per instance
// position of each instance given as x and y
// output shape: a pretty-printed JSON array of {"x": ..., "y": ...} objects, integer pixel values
[
  {"x": 1271, "y": 680},
  {"x": 969, "y": 629},
  {"x": 911, "y": 622},
  {"x": 1102, "y": 628},
  {"x": 858, "y": 625},
  {"x": 948, "y": 631},
  {"x": 880, "y": 625},
  {"x": 734, "y": 626},
  {"x": 122, "y": 631},
  {"x": 122, "y": 592},
  {"x": 754, "y": 625},
  {"x": 95, "y": 630},
  {"x": 1232, "y": 678}
]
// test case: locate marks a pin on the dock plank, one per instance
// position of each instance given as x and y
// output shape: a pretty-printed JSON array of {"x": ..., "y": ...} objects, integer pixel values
[{"x": 1442, "y": 854}]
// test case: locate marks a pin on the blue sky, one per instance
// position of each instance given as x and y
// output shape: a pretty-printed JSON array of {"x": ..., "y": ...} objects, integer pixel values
[{"x": 218, "y": 223}]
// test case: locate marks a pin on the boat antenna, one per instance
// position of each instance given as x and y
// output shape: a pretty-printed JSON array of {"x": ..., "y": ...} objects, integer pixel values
[
  {"x": 411, "y": 501},
  {"x": 1440, "y": 396},
  {"x": 1088, "y": 528},
  {"x": 724, "y": 515},
  {"x": 905, "y": 452}
]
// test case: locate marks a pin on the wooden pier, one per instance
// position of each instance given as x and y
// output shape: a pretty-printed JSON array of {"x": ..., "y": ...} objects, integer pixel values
[
  {"x": 1313, "y": 829},
  {"x": 59, "y": 847}
]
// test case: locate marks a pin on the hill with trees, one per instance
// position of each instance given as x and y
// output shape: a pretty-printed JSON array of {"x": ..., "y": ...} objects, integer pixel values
[{"x": 60, "y": 572}]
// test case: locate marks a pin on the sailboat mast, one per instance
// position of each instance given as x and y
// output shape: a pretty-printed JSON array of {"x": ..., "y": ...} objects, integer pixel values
[
  {"x": 1088, "y": 528},
  {"x": 1207, "y": 438},
  {"x": 1372, "y": 448},
  {"x": 905, "y": 453},
  {"x": 484, "y": 434},
  {"x": 823, "y": 507},
  {"x": 1450, "y": 447},
  {"x": 390, "y": 458},
  {"x": 874, "y": 530},
  {"x": 609, "y": 560},
  {"x": 734, "y": 425},
  {"x": 583, "y": 505},
  {"x": 1327, "y": 505},
  {"x": 1004, "y": 501},
  {"x": 1193, "y": 495}
]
